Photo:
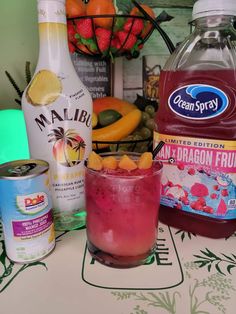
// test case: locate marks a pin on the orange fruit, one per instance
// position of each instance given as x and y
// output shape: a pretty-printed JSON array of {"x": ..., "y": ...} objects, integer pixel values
[
  {"x": 75, "y": 8},
  {"x": 101, "y": 7},
  {"x": 148, "y": 25},
  {"x": 147, "y": 9}
]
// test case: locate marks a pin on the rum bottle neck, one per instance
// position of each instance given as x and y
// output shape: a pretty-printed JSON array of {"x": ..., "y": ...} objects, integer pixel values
[{"x": 53, "y": 42}]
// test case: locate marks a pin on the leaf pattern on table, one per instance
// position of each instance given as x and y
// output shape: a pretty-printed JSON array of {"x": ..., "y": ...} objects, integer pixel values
[
  {"x": 139, "y": 310},
  {"x": 185, "y": 234},
  {"x": 231, "y": 236},
  {"x": 222, "y": 262},
  {"x": 5, "y": 263},
  {"x": 163, "y": 300},
  {"x": 22, "y": 268},
  {"x": 217, "y": 290}
]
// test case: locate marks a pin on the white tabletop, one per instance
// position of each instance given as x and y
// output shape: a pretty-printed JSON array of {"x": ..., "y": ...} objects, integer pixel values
[{"x": 189, "y": 275}]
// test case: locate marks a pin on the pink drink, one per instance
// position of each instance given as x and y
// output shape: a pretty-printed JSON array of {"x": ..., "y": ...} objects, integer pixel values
[{"x": 122, "y": 214}]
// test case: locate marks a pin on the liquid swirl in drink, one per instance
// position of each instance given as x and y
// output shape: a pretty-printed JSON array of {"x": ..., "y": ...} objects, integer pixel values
[{"x": 122, "y": 211}]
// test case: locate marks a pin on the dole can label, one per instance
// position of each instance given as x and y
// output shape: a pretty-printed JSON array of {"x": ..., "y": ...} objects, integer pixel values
[{"x": 26, "y": 210}]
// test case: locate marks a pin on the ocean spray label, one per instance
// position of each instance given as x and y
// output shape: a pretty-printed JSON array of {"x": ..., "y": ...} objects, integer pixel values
[
  {"x": 198, "y": 101},
  {"x": 203, "y": 178}
]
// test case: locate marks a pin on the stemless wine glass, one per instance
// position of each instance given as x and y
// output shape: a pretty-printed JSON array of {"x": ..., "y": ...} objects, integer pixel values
[{"x": 122, "y": 213}]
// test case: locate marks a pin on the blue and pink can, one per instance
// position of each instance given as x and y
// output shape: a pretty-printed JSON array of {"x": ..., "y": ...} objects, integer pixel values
[{"x": 26, "y": 210}]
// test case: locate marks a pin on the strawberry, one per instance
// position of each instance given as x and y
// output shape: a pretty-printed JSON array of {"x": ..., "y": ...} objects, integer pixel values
[
  {"x": 71, "y": 32},
  {"x": 103, "y": 38},
  {"x": 127, "y": 40},
  {"x": 134, "y": 25},
  {"x": 71, "y": 47},
  {"x": 115, "y": 43},
  {"x": 84, "y": 28}
]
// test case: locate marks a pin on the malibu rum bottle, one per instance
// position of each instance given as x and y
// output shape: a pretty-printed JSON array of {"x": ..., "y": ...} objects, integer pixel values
[{"x": 58, "y": 109}]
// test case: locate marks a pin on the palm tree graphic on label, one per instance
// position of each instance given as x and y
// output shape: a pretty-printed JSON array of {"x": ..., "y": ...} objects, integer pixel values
[{"x": 68, "y": 147}]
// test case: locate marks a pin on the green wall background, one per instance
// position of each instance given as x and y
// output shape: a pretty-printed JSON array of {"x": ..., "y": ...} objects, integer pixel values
[
  {"x": 18, "y": 44},
  {"x": 19, "y": 39}
]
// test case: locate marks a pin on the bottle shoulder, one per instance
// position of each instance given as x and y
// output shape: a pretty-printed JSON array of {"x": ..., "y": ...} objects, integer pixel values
[{"x": 205, "y": 50}]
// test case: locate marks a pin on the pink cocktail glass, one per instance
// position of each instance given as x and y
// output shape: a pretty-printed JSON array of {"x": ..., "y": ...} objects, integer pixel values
[{"x": 122, "y": 214}]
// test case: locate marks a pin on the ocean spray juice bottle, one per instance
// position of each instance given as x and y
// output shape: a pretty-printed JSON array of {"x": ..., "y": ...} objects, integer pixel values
[
  {"x": 57, "y": 109},
  {"x": 197, "y": 122}
]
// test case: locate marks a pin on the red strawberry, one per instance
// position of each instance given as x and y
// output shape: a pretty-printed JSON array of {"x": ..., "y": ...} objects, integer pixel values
[
  {"x": 71, "y": 32},
  {"x": 103, "y": 38},
  {"x": 84, "y": 27},
  {"x": 71, "y": 47},
  {"x": 127, "y": 40},
  {"x": 134, "y": 25},
  {"x": 115, "y": 43}
]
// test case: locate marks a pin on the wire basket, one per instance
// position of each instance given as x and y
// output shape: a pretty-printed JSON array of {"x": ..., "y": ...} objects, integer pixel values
[
  {"x": 125, "y": 35},
  {"x": 139, "y": 146}
]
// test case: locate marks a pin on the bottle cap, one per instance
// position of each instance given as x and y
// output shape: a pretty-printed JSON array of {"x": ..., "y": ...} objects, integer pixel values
[{"x": 204, "y": 8}]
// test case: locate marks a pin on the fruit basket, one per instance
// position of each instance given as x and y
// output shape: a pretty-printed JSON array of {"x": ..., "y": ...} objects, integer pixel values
[
  {"x": 122, "y": 126},
  {"x": 114, "y": 35},
  {"x": 124, "y": 35}
]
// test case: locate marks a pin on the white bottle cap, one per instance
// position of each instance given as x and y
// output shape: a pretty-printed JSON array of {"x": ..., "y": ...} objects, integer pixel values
[{"x": 203, "y": 8}]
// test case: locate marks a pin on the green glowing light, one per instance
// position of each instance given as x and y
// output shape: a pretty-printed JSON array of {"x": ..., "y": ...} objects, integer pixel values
[{"x": 13, "y": 136}]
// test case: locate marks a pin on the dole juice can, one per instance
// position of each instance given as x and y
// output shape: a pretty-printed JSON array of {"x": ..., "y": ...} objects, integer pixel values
[{"x": 26, "y": 209}]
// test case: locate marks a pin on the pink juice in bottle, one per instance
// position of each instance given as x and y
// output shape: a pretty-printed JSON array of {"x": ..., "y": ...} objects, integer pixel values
[
  {"x": 122, "y": 214},
  {"x": 197, "y": 121}
]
